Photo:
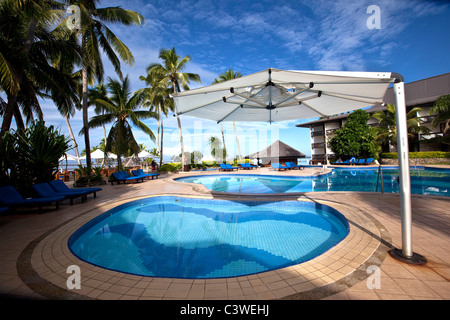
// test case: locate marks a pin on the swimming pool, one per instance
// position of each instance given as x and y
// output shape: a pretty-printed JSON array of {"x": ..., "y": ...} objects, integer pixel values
[
  {"x": 181, "y": 237},
  {"x": 423, "y": 181}
]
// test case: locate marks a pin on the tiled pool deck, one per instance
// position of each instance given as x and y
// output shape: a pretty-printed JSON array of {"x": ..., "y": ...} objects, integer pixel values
[{"x": 34, "y": 255}]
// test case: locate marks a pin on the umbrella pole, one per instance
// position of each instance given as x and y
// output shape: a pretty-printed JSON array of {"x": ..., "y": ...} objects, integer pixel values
[{"x": 406, "y": 254}]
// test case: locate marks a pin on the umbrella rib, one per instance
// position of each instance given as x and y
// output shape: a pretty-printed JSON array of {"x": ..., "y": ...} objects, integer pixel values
[
  {"x": 229, "y": 114},
  {"x": 203, "y": 105},
  {"x": 291, "y": 97},
  {"x": 251, "y": 99},
  {"x": 313, "y": 109},
  {"x": 245, "y": 105}
]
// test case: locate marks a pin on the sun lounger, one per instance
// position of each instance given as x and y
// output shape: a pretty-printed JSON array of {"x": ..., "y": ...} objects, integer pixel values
[
  {"x": 292, "y": 165},
  {"x": 244, "y": 166},
  {"x": 228, "y": 166},
  {"x": 349, "y": 161},
  {"x": 45, "y": 190},
  {"x": 60, "y": 186},
  {"x": 120, "y": 177},
  {"x": 153, "y": 175},
  {"x": 224, "y": 167},
  {"x": 360, "y": 161},
  {"x": 298, "y": 166},
  {"x": 141, "y": 173},
  {"x": 137, "y": 174},
  {"x": 369, "y": 161},
  {"x": 11, "y": 198},
  {"x": 278, "y": 166}
]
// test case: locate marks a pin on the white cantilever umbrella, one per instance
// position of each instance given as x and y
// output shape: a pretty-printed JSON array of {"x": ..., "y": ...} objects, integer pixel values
[{"x": 278, "y": 95}]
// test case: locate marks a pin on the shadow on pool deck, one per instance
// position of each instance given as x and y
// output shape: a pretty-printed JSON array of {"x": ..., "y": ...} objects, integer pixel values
[{"x": 34, "y": 254}]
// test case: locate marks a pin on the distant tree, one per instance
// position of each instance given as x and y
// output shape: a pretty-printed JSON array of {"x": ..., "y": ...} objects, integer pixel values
[
  {"x": 355, "y": 138},
  {"x": 387, "y": 131},
  {"x": 442, "y": 108}
]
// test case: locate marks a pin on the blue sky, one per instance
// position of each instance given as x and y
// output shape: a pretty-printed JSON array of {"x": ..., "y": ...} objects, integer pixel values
[{"x": 249, "y": 36}]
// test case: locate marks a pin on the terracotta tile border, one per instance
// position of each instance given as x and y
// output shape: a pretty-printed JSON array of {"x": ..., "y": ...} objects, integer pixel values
[{"x": 43, "y": 263}]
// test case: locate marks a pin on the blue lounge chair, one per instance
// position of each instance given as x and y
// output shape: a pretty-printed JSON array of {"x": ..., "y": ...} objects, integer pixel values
[
  {"x": 141, "y": 173},
  {"x": 224, "y": 167},
  {"x": 45, "y": 190},
  {"x": 297, "y": 165},
  {"x": 360, "y": 161},
  {"x": 244, "y": 166},
  {"x": 291, "y": 165},
  {"x": 11, "y": 198},
  {"x": 60, "y": 186},
  {"x": 248, "y": 166},
  {"x": 369, "y": 161},
  {"x": 120, "y": 177},
  {"x": 153, "y": 175},
  {"x": 350, "y": 161},
  {"x": 126, "y": 175},
  {"x": 278, "y": 166},
  {"x": 230, "y": 167}
]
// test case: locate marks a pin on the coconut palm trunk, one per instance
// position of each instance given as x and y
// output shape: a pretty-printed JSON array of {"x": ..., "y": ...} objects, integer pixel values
[
  {"x": 72, "y": 136},
  {"x": 84, "y": 103}
]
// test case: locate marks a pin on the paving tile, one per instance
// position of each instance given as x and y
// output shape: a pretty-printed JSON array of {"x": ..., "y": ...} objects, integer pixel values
[{"x": 51, "y": 255}]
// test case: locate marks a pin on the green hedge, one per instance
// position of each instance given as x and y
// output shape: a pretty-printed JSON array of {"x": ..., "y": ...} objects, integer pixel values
[
  {"x": 173, "y": 166},
  {"x": 415, "y": 155}
]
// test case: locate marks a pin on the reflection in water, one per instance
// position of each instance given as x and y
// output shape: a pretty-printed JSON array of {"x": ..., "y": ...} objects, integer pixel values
[{"x": 432, "y": 182}]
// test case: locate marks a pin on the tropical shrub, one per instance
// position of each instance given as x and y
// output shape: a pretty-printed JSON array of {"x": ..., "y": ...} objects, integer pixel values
[
  {"x": 31, "y": 156},
  {"x": 355, "y": 138}
]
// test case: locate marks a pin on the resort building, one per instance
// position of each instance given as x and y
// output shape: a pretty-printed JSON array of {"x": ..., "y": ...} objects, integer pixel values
[
  {"x": 421, "y": 93},
  {"x": 277, "y": 152}
]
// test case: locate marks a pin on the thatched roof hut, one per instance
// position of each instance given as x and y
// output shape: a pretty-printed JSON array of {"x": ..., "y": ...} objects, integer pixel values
[{"x": 277, "y": 152}]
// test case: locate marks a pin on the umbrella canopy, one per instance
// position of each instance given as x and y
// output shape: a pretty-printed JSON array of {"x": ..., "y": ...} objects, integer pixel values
[
  {"x": 99, "y": 154},
  {"x": 144, "y": 154},
  {"x": 69, "y": 157},
  {"x": 278, "y": 95}
]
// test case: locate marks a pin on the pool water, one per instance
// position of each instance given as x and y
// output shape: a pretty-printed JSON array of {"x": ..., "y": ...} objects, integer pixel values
[
  {"x": 423, "y": 181},
  {"x": 201, "y": 238}
]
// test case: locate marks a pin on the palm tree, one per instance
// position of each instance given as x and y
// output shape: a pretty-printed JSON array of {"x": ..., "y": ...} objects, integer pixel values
[
  {"x": 98, "y": 92},
  {"x": 442, "y": 108},
  {"x": 95, "y": 35},
  {"x": 27, "y": 51},
  {"x": 387, "y": 132},
  {"x": 219, "y": 153},
  {"x": 229, "y": 75},
  {"x": 158, "y": 99},
  {"x": 121, "y": 109},
  {"x": 171, "y": 69}
]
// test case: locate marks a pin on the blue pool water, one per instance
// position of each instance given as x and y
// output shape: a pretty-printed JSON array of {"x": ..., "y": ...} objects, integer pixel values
[
  {"x": 200, "y": 238},
  {"x": 423, "y": 181}
]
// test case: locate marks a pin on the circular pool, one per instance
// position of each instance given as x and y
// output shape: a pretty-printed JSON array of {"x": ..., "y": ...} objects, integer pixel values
[{"x": 182, "y": 237}]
